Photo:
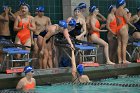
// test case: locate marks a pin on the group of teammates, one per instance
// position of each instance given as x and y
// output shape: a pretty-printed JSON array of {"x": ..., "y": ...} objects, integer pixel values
[
  {"x": 40, "y": 28},
  {"x": 117, "y": 22}
]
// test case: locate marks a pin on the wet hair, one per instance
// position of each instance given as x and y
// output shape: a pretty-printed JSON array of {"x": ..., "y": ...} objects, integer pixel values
[
  {"x": 92, "y": 9},
  {"x": 110, "y": 8},
  {"x": 82, "y": 5}
]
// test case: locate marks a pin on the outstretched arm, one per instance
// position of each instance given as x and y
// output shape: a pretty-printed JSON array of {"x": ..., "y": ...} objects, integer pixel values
[{"x": 67, "y": 36}]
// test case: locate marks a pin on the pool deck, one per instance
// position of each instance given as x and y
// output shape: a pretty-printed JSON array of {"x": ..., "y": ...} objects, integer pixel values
[{"x": 57, "y": 75}]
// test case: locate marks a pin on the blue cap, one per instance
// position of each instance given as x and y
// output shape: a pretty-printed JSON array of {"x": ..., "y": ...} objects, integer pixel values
[
  {"x": 92, "y": 9},
  {"x": 28, "y": 69},
  {"x": 77, "y": 8},
  {"x": 138, "y": 9},
  {"x": 80, "y": 69},
  {"x": 120, "y": 2},
  {"x": 111, "y": 7},
  {"x": 82, "y": 5},
  {"x": 72, "y": 22},
  {"x": 63, "y": 23},
  {"x": 41, "y": 9}
]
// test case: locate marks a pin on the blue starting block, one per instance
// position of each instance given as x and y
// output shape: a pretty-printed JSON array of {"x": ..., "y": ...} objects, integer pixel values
[
  {"x": 10, "y": 52},
  {"x": 87, "y": 53}
]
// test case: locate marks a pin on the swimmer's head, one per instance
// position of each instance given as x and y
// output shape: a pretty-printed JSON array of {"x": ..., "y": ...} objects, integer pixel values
[
  {"x": 80, "y": 69},
  {"x": 77, "y": 11},
  {"x": 24, "y": 4},
  {"x": 63, "y": 24},
  {"x": 72, "y": 22},
  {"x": 93, "y": 9},
  {"x": 111, "y": 7},
  {"x": 82, "y": 5},
  {"x": 121, "y": 3},
  {"x": 28, "y": 69},
  {"x": 4, "y": 7},
  {"x": 126, "y": 9},
  {"x": 41, "y": 9}
]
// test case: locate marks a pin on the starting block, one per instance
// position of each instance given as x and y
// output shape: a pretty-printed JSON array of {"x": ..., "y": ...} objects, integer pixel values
[
  {"x": 14, "y": 70},
  {"x": 90, "y": 64}
]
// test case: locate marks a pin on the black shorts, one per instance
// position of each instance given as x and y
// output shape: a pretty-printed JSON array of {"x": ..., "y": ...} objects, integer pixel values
[
  {"x": 43, "y": 33},
  {"x": 5, "y": 37}
]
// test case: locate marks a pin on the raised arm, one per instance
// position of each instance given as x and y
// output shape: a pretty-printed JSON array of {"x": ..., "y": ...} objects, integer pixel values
[
  {"x": 6, "y": 17},
  {"x": 127, "y": 19},
  {"x": 93, "y": 22},
  {"x": 101, "y": 17}
]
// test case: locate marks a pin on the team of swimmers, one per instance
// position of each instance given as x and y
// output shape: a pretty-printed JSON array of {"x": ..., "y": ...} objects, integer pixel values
[{"x": 40, "y": 32}]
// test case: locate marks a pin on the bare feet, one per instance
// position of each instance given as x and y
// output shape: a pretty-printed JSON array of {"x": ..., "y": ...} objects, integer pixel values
[
  {"x": 110, "y": 63},
  {"x": 120, "y": 61},
  {"x": 126, "y": 62}
]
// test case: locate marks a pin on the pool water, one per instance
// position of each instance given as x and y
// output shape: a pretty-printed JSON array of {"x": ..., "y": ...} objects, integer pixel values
[{"x": 69, "y": 88}]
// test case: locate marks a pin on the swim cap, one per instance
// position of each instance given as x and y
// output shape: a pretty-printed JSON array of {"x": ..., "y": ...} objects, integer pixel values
[
  {"x": 63, "y": 23},
  {"x": 72, "y": 22},
  {"x": 111, "y": 7},
  {"x": 41, "y": 9},
  {"x": 82, "y": 5},
  {"x": 5, "y": 6},
  {"x": 28, "y": 69},
  {"x": 126, "y": 9},
  {"x": 80, "y": 69},
  {"x": 24, "y": 4},
  {"x": 92, "y": 9},
  {"x": 77, "y": 8},
  {"x": 138, "y": 9},
  {"x": 120, "y": 2}
]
